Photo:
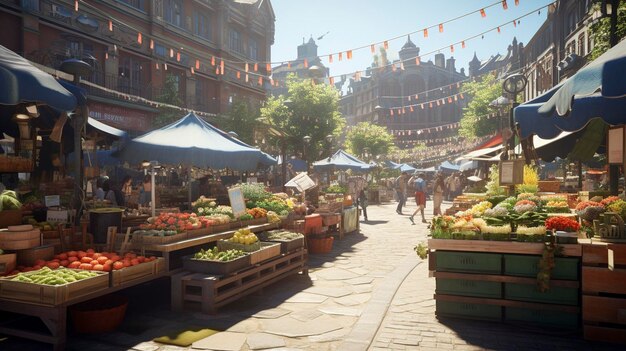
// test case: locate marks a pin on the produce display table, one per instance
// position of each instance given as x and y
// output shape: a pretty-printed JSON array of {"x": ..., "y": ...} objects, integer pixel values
[
  {"x": 214, "y": 291},
  {"x": 497, "y": 281},
  {"x": 55, "y": 317},
  {"x": 604, "y": 291},
  {"x": 349, "y": 220},
  {"x": 190, "y": 246}
]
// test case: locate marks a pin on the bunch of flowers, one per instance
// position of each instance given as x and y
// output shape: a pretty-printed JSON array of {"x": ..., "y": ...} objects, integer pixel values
[
  {"x": 203, "y": 202},
  {"x": 478, "y": 209},
  {"x": 523, "y": 206},
  {"x": 609, "y": 200},
  {"x": 523, "y": 230},
  {"x": 557, "y": 204},
  {"x": 177, "y": 221},
  {"x": 254, "y": 192},
  {"x": 496, "y": 229},
  {"x": 562, "y": 224},
  {"x": 498, "y": 211},
  {"x": 526, "y": 196},
  {"x": 589, "y": 210}
]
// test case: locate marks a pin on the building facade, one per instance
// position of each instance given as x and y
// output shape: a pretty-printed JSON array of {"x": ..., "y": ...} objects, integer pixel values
[
  {"x": 406, "y": 95},
  {"x": 560, "y": 47},
  {"x": 307, "y": 65},
  {"x": 134, "y": 46}
]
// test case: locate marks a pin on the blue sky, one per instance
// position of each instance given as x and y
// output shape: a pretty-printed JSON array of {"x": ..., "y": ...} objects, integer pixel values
[{"x": 355, "y": 23}]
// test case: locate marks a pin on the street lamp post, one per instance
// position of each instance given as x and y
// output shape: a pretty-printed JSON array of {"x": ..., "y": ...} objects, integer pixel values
[
  {"x": 152, "y": 165},
  {"x": 513, "y": 84},
  {"x": 307, "y": 141}
]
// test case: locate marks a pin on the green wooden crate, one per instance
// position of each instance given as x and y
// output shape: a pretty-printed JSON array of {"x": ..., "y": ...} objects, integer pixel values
[
  {"x": 555, "y": 319},
  {"x": 565, "y": 268},
  {"x": 469, "y": 262},
  {"x": 469, "y": 310},
  {"x": 529, "y": 292},
  {"x": 463, "y": 287}
]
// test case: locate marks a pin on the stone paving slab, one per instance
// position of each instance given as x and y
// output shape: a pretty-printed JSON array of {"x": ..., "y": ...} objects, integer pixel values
[
  {"x": 224, "y": 341},
  {"x": 259, "y": 341}
]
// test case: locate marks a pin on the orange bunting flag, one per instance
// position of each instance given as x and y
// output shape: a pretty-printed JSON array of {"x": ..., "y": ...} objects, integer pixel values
[
  {"x": 458, "y": 84},
  {"x": 438, "y": 103},
  {"x": 440, "y": 27},
  {"x": 306, "y": 63},
  {"x": 340, "y": 56},
  {"x": 402, "y": 65},
  {"x": 514, "y": 23},
  {"x": 192, "y": 71},
  {"x": 463, "y": 44},
  {"x": 498, "y": 30},
  {"x": 422, "y": 106},
  {"x": 399, "y": 111},
  {"x": 425, "y": 32},
  {"x": 256, "y": 67},
  {"x": 106, "y": 55},
  {"x": 504, "y": 5},
  {"x": 268, "y": 68},
  {"x": 393, "y": 67},
  {"x": 411, "y": 108},
  {"x": 110, "y": 26},
  {"x": 403, "y": 110},
  {"x": 178, "y": 56},
  {"x": 461, "y": 94},
  {"x": 165, "y": 66},
  {"x": 330, "y": 58},
  {"x": 222, "y": 67},
  {"x": 430, "y": 104},
  {"x": 139, "y": 38},
  {"x": 260, "y": 80},
  {"x": 349, "y": 54},
  {"x": 217, "y": 71},
  {"x": 373, "y": 48},
  {"x": 247, "y": 67},
  {"x": 212, "y": 60},
  {"x": 391, "y": 112},
  {"x": 247, "y": 78},
  {"x": 455, "y": 98},
  {"x": 452, "y": 48},
  {"x": 386, "y": 45},
  {"x": 408, "y": 98},
  {"x": 171, "y": 52},
  {"x": 449, "y": 99},
  {"x": 516, "y": 2},
  {"x": 331, "y": 80},
  {"x": 417, "y": 60},
  {"x": 483, "y": 13},
  {"x": 76, "y": 5},
  {"x": 416, "y": 96},
  {"x": 289, "y": 64},
  {"x": 156, "y": 65},
  {"x": 197, "y": 64},
  {"x": 151, "y": 44},
  {"x": 238, "y": 74}
]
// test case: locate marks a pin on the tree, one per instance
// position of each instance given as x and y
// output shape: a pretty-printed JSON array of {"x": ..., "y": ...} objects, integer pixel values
[
  {"x": 169, "y": 95},
  {"x": 373, "y": 137},
  {"x": 313, "y": 112},
  {"x": 242, "y": 120},
  {"x": 483, "y": 92},
  {"x": 600, "y": 31}
]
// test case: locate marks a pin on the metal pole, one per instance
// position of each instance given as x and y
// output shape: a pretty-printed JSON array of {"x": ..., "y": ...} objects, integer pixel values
[
  {"x": 283, "y": 151},
  {"x": 153, "y": 192}
]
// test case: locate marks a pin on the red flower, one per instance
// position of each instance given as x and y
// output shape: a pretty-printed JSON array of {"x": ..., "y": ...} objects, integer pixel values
[
  {"x": 609, "y": 200},
  {"x": 525, "y": 202},
  {"x": 581, "y": 206},
  {"x": 562, "y": 224}
]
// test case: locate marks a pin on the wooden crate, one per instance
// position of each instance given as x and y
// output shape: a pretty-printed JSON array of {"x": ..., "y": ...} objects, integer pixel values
[
  {"x": 528, "y": 266},
  {"x": 266, "y": 252},
  {"x": 468, "y": 310},
  {"x": 289, "y": 245},
  {"x": 51, "y": 294},
  {"x": 548, "y": 318},
  {"x": 159, "y": 265},
  {"x": 219, "y": 228},
  {"x": 528, "y": 292},
  {"x": 196, "y": 233},
  {"x": 28, "y": 257},
  {"x": 129, "y": 274},
  {"x": 466, "y": 287},
  {"x": 216, "y": 267},
  {"x": 152, "y": 240},
  {"x": 469, "y": 262},
  {"x": 7, "y": 263}
]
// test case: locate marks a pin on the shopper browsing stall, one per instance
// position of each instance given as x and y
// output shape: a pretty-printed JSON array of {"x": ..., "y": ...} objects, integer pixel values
[{"x": 420, "y": 197}]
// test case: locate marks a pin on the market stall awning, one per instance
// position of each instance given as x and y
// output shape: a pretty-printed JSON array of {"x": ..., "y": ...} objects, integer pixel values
[
  {"x": 106, "y": 128},
  {"x": 426, "y": 170},
  {"x": 21, "y": 82},
  {"x": 448, "y": 167},
  {"x": 193, "y": 141},
  {"x": 297, "y": 165},
  {"x": 481, "y": 154},
  {"x": 595, "y": 91},
  {"x": 406, "y": 168},
  {"x": 469, "y": 165},
  {"x": 391, "y": 164},
  {"x": 343, "y": 161},
  {"x": 548, "y": 149}
]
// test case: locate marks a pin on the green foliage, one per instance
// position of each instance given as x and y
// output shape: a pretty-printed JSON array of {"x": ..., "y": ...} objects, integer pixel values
[
  {"x": 493, "y": 185},
  {"x": 254, "y": 192},
  {"x": 336, "y": 189},
  {"x": 313, "y": 111},
  {"x": 241, "y": 119},
  {"x": 600, "y": 31},
  {"x": 421, "y": 250},
  {"x": 483, "y": 92},
  {"x": 366, "y": 135},
  {"x": 169, "y": 95}
]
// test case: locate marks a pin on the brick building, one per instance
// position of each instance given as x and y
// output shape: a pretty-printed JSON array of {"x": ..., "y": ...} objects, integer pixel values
[{"x": 176, "y": 36}]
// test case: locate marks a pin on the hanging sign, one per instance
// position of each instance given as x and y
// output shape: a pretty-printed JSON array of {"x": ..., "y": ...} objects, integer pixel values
[
  {"x": 512, "y": 172},
  {"x": 302, "y": 182},
  {"x": 237, "y": 203},
  {"x": 615, "y": 147}
]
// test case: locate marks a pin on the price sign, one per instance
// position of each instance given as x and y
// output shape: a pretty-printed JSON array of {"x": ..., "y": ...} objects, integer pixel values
[
  {"x": 52, "y": 200},
  {"x": 302, "y": 182},
  {"x": 237, "y": 202}
]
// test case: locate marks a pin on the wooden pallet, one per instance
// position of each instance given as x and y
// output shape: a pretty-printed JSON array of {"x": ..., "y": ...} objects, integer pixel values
[
  {"x": 213, "y": 291},
  {"x": 604, "y": 292}
]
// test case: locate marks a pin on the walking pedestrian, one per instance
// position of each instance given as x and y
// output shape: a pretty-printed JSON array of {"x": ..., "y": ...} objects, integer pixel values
[
  {"x": 420, "y": 197},
  {"x": 401, "y": 191},
  {"x": 362, "y": 201},
  {"x": 438, "y": 190}
]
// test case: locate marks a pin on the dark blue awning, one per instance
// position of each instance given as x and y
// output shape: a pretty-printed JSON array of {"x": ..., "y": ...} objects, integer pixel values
[{"x": 341, "y": 160}]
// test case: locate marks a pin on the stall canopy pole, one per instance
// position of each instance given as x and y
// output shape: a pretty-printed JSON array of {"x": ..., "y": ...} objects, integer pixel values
[{"x": 153, "y": 192}]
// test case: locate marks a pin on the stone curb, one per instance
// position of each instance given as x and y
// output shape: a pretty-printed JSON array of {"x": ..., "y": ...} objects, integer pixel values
[{"x": 366, "y": 327}]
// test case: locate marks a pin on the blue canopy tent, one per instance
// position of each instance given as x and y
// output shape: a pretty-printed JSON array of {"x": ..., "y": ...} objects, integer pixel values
[
  {"x": 391, "y": 164},
  {"x": 193, "y": 141},
  {"x": 447, "y": 167},
  {"x": 426, "y": 170},
  {"x": 343, "y": 161},
  {"x": 595, "y": 91},
  {"x": 297, "y": 165},
  {"x": 406, "y": 168}
]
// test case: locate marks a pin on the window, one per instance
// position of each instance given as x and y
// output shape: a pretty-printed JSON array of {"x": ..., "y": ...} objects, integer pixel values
[
  {"x": 200, "y": 98},
  {"x": 160, "y": 50},
  {"x": 235, "y": 41},
  {"x": 253, "y": 49},
  {"x": 129, "y": 79},
  {"x": 201, "y": 26},
  {"x": 173, "y": 10},
  {"x": 138, "y": 4},
  {"x": 32, "y": 5}
]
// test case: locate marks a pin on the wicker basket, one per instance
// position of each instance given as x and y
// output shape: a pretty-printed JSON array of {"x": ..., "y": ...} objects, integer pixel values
[
  {"x": 320, "y": 245},
  {"x": 100, "y": 315}
]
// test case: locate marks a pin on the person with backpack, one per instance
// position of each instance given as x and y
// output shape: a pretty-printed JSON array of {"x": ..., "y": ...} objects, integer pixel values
[
  {"x": 420, "y": 197},
  {"x": 401, "y": 191}
]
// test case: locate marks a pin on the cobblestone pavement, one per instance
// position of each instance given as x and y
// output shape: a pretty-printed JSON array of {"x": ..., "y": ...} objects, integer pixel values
[{"x": 371, "y": 292}]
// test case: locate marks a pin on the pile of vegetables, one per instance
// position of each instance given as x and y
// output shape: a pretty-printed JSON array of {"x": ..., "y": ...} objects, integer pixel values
[
  {"x": 47, "y": 276},
  {"x": 253, "y": 193},
  {"x": 216, "y": 255},
  {"x": 281, "y": 235},
  {"x": 179, "y": 222},
  {"x": 9, "y": 201}
]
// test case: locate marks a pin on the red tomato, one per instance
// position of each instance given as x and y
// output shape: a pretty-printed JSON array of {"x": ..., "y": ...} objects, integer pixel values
[
  {"x": 86, "y": 259},
  {"x": 98, "y": 267}
]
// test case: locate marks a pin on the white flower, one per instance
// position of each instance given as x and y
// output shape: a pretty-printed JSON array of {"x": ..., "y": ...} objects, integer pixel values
[{"x": 200, "y": 210}]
